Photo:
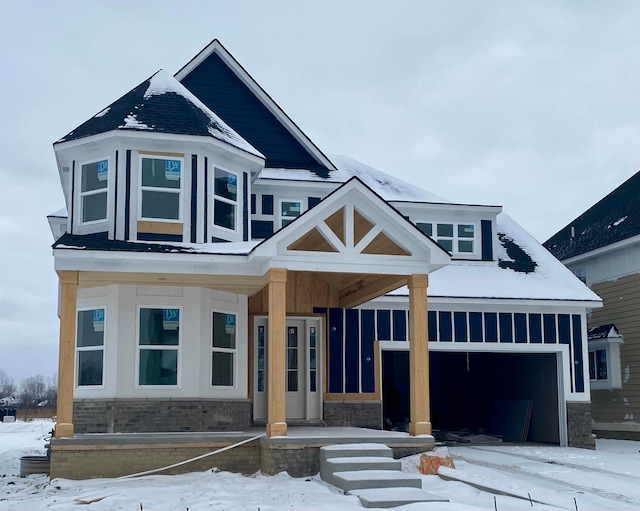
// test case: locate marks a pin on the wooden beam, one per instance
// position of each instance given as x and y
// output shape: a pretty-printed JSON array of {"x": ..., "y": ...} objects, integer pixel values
[
  {"x": 66, "y": 355},
  {"x": 420, "y": 420},
  {"x": 276, "y": 349},
  {"x": 372, "y": 290}
]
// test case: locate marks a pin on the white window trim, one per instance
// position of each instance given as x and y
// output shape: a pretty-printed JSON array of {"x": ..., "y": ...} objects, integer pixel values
[
  {"x": 77, "y": 386},
  {"x": 237, "y": 203},
  {"x": 106, "y": 190},
  {"x": 178, "y": 348},
  {"x": 223, "y": 350},
  {"x": 281, "y": 217},
  {"x": 614, "y": 374},
  {"x": 455, "y": 238},
  {"x": 179, "y": 191}
]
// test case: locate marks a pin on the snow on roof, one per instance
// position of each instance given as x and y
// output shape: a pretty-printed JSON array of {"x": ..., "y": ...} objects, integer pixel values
[
  {"x": 388, "y": 187},
  {"x": 161, "y": 104},
  {"x": 548, "y": 280},
  {"x": 88, "y": 242},
  {"x": 61, "y": 213},
  {"x": 163, "y": 83}
]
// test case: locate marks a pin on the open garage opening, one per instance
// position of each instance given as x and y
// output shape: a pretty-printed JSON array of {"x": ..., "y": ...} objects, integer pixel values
[{"x": 513, "y": 396}]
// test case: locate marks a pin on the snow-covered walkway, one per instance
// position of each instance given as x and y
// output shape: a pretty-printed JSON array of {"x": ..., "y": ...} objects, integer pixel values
[{"x": 608, "y": 478}]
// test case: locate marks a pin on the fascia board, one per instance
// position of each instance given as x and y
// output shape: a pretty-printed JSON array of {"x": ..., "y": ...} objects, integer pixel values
[
  {"x": 343, "y": 263},
  {"x": 140, "y": 135},
  {"x": 577, "y": 306},
  {"x": 446, "y": 206},
  {"x": 144, "y": 262},
  {"x": 216, "y": 47},
  {"x": 297, "y": 183},
  {"x": 602, "y": 250}
]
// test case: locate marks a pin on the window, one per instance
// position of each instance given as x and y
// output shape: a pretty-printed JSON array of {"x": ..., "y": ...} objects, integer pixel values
[
  {"x": 289, "y": 210},
  {"x": 313, "y": 355},
  {"x": 160, "y": 188},
  {"x": 581, "y": 273},
  {"x": 225, "y": 200},
  {"x": 466, "y": 234},
  {"x": 604, "y": 357},
  {"x": 90, "y": 348},
  {"x": 455, "y": 238},
  {"x": 425, "y": 228},
  {"x": 261, "y": 358},
  {"x": 598, "y": 365},
  {"x": 223, "y": 350},
  {"x": 158, "y": 343},
  {"x": 94, "y": 190}
]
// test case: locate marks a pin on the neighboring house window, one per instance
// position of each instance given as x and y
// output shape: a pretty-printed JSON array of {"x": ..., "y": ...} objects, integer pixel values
[
  {"x": 604, "y": 357},
  {"x": 581, "y": 273},
  {"x": 160, "y": 188},
  {"x": 598, "y": 365},
  {"x": 159, "y": 345},
  {"x": 225, "y": 199},
  {"x": 223, "y": 349},
  {"x": 289, "y": 210},
  {"x": 456, "y": 238},
  {"x": 90, "y": 348},
  {"x": 94, "y": 190}
]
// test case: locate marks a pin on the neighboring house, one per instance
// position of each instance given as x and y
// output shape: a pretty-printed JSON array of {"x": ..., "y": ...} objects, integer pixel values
[
  {"x": 602, "y": 247},
  {"x": 218, "y": 271}
]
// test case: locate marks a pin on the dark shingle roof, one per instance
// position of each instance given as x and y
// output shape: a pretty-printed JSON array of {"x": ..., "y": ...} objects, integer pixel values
[
  {"x": 160, "y": 104},
  {"x": 614, "y": 218}
]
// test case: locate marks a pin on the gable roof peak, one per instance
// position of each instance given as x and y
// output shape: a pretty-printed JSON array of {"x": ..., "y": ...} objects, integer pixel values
[{"x": 220, "y": 80}]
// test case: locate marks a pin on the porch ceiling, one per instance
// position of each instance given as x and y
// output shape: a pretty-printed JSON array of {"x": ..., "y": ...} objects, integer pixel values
[{"x": 353, "y": 289}]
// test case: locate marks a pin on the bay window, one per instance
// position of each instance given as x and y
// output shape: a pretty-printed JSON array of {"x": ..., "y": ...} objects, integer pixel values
[
  {"x": 90, "y": 348},
  {"x": 158, "y": 346},
  {"x": 160, "y": 188},
  {"x": 225, "y": 199},
  {"x": 94, "y": 177}
]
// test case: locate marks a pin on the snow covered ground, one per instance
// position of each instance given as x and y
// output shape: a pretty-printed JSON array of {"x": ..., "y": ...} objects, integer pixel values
[{"x": 608, "y": 478}]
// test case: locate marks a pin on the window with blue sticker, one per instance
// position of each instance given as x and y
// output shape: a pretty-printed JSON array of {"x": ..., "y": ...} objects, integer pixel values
[
  {"x": 160, "y": 188},
  {"x": 158, "y": 346},
  {"x": 225, "y": 199},
  {"x": 90, "y": 348},
  {"x": 223, "y": 349},
  {"x": 94, "y": 179}
]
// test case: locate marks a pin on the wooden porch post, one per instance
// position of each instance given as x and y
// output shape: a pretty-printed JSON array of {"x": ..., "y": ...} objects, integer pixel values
[
  {"x": 420, "y": 421},
  {"x": 66, "y": 358},
  {"x": 276, "y": 349}
]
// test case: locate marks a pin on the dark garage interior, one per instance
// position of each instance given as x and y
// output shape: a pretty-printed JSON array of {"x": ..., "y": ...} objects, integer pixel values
[{"x": 479, "y": 393}]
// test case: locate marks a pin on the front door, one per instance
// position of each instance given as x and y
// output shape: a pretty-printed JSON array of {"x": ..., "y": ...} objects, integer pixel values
[{"x": 302, "y": 378}]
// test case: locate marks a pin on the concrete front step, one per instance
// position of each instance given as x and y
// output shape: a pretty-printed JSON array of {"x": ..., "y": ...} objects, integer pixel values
[
  {"x": 393, "y": 497},
  {"x": 354, "y": 450},
  {"x": 351, "y": 463},
  {"x": 363, "y": 479}
]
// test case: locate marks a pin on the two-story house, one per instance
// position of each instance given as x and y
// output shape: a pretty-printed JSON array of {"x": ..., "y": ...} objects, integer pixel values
[
  {"x": 219, "y": 272},
  {"x": 602, "y": 247}
]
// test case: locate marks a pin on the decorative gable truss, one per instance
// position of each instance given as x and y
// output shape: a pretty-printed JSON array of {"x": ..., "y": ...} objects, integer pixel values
[{"x": 357, "y": 243}]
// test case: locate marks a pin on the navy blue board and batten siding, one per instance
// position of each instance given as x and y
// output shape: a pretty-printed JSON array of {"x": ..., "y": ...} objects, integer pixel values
[
  {"x": 218, "y": 87},
  {"x": 352, "y": 333},
  {"x": 194, "y": 198}
]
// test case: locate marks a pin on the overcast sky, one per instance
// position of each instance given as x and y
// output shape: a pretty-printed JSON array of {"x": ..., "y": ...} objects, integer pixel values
[{"x": 532, "y": 105}]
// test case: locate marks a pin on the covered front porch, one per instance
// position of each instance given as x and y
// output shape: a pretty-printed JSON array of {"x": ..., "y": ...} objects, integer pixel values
[
  {"x": 117, "y": 455},
  {"x": 349, "y": 249}
]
